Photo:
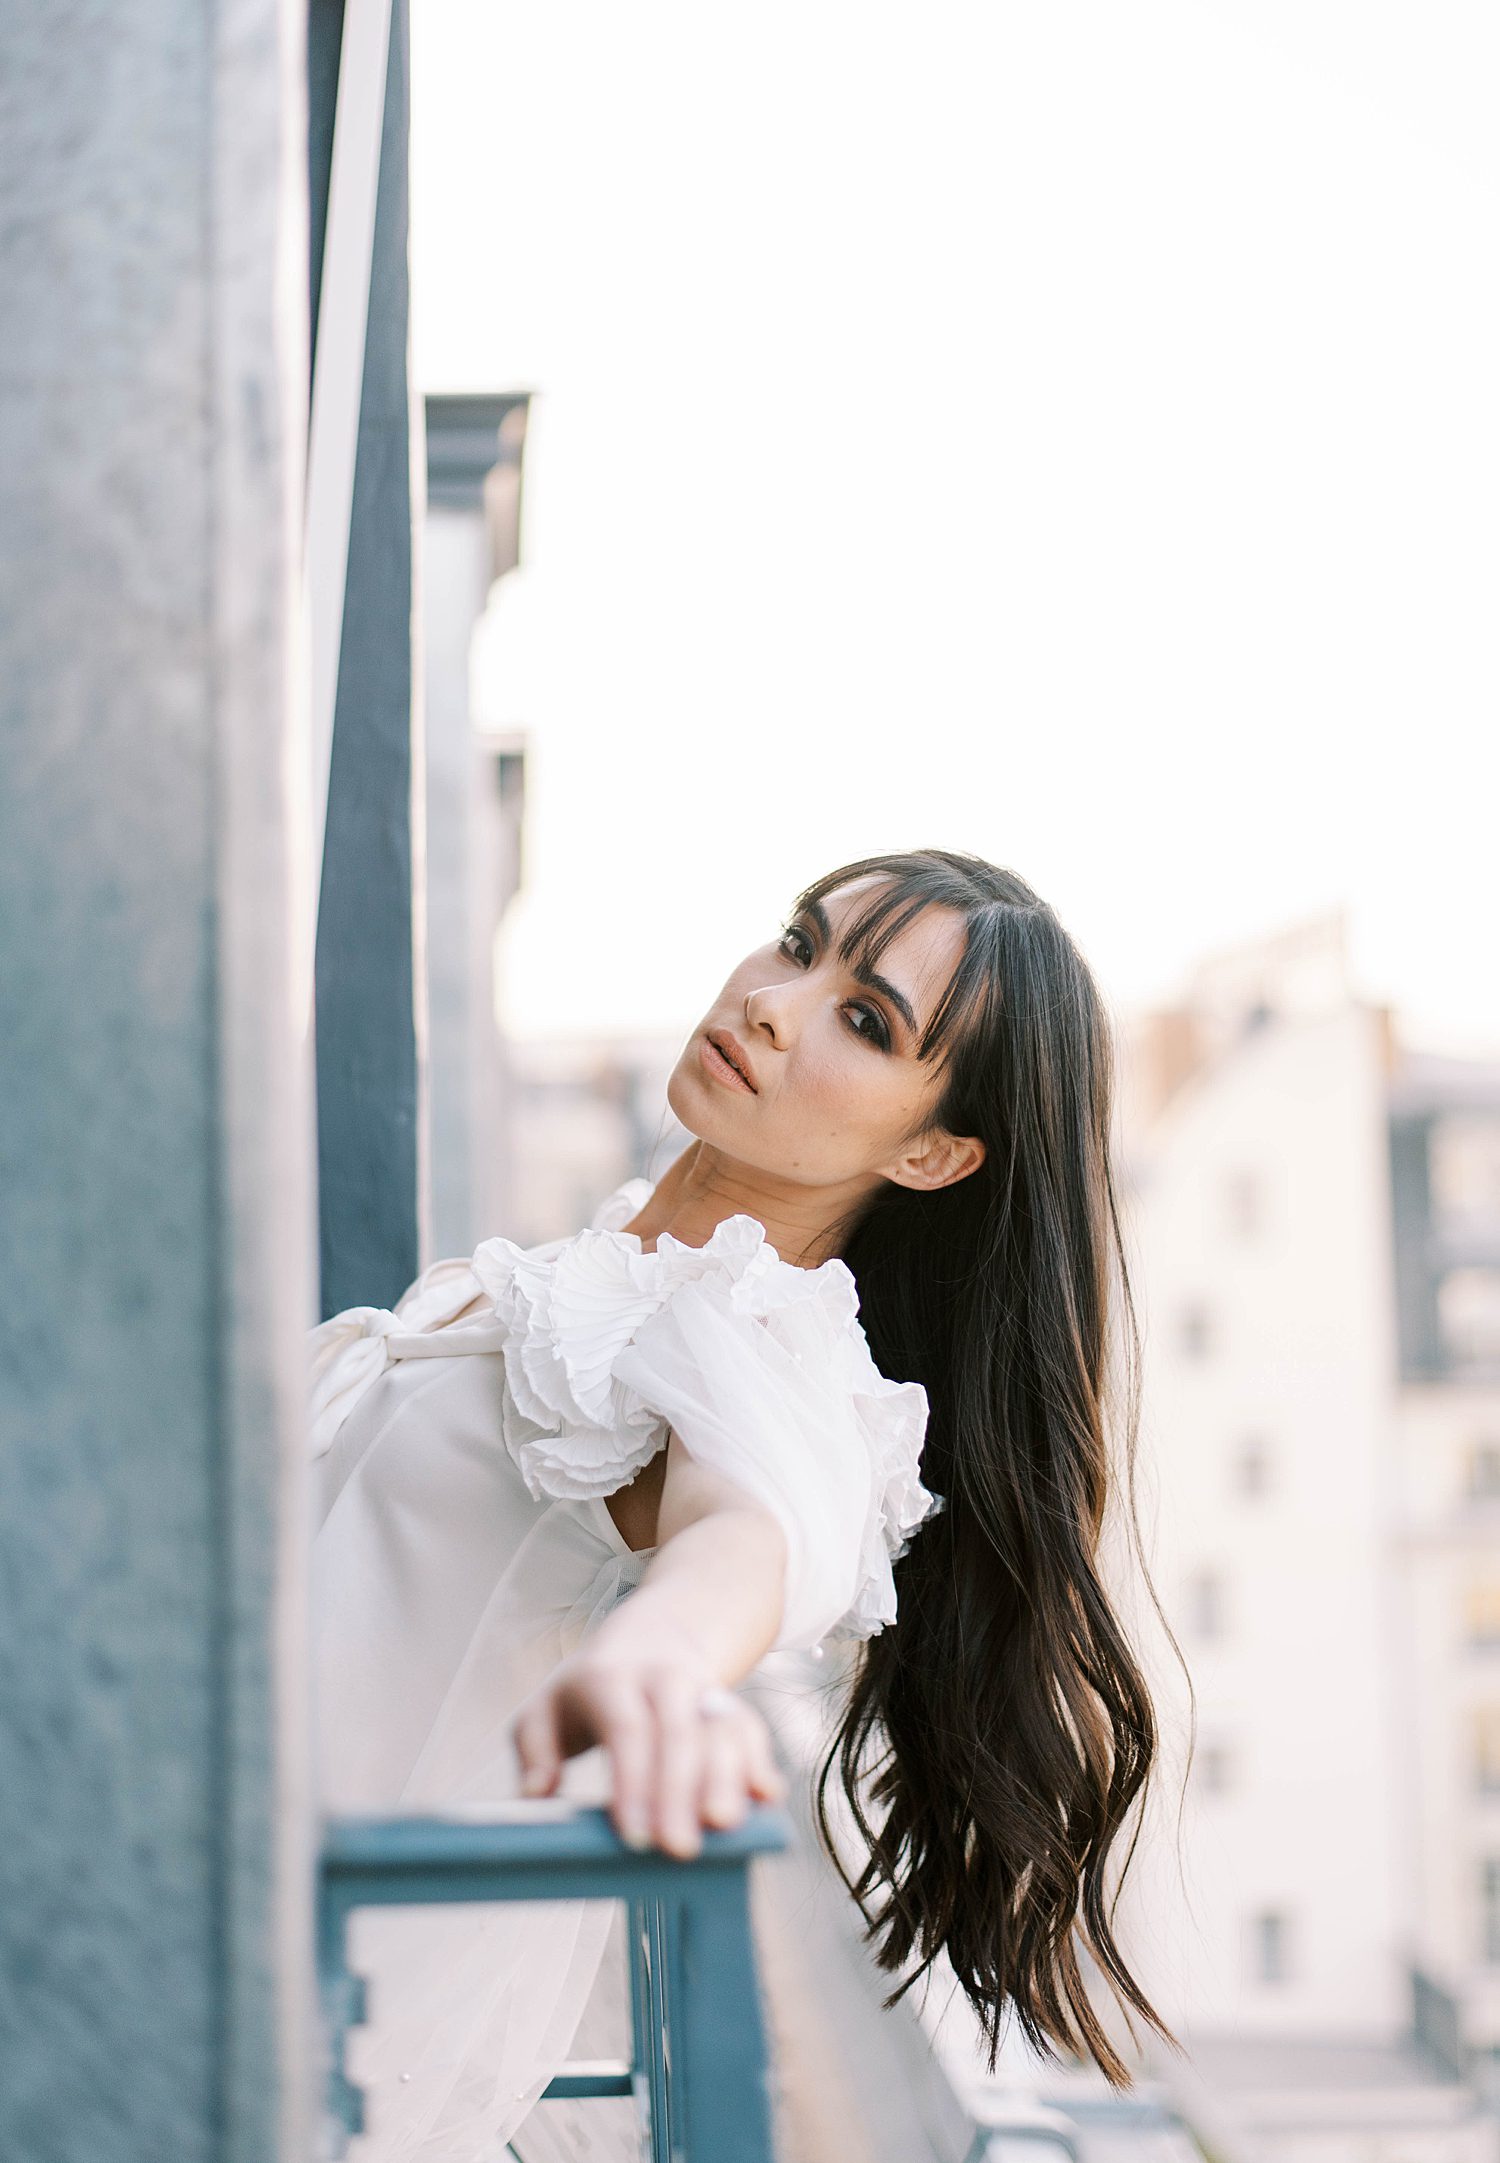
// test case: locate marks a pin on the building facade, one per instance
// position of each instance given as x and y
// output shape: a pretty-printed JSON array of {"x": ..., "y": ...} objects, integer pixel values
[
  {"x": 1445, "y": 1163},
  {"x": 1314, "y": 1217}
]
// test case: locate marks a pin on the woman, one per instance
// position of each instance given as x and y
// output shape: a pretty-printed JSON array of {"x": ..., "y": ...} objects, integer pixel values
[{"x": 907, "y": 1093}]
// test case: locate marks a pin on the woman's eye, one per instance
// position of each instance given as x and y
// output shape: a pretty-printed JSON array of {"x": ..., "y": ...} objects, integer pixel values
[
  {"x": 866, "y": 1021},
  {"x": 877, "y": 1033}
]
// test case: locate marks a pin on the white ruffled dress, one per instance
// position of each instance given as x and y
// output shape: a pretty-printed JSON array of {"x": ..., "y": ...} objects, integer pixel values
[{"x": 464, "y": 1445}]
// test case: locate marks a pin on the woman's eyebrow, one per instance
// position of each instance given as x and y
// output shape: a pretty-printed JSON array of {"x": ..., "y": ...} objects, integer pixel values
[
  {"x": 898, "y": 999},
  {"x": 871, "y": 977}
]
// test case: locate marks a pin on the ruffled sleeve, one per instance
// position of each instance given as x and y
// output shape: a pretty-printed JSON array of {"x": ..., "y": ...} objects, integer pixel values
[
  {"x": 788, "y": 1404},
  {"x": 350, "y": 1351},
  {"x": 760, "y": 1368}
]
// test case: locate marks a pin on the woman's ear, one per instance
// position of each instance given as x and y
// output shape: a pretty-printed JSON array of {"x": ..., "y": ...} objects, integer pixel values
[{"x": 936, "y": 1160}]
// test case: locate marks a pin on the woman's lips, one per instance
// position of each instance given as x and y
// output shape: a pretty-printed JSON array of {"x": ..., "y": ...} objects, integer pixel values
[{"x": 714, "y": 1063}]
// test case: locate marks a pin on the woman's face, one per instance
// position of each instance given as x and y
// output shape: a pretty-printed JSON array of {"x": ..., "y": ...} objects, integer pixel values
[{"x": 810, "y": 1073}]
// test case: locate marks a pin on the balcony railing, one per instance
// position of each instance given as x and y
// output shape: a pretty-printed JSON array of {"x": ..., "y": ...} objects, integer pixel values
[{"x": 698, "y": 2060}]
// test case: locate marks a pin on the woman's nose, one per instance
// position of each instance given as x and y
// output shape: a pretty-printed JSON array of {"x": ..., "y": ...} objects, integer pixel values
[{"x": 773, "y": 1011}]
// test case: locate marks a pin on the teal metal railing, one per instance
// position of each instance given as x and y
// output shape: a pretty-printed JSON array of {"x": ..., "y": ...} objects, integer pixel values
[{"x": 698, "y": 2060}]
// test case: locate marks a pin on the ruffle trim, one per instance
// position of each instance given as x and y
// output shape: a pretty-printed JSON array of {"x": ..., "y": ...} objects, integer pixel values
[
  {"x": 563, "y": 1315},
  {"x": 894, "y": 1418},
  {"x": 567, "y": 1314}
]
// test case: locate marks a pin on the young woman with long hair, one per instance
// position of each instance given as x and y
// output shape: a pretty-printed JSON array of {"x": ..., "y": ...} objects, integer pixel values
[{"x": 860, "y": 1364}]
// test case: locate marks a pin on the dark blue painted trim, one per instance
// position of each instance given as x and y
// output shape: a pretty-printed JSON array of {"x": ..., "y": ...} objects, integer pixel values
[{"x": 369, "y": 976}]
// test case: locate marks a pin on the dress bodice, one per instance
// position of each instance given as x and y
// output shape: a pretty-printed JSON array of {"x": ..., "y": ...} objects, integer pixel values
[
  {"x": 597, "y": 1349},
  {"x": 464, "y": 1444}
]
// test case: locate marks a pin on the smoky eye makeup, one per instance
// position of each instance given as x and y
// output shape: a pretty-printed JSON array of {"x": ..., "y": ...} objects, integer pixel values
[
  {"x": 880, "y": 1037},
  {"x": 793, "y": 936},
  {"x": 800, "y": 943}
]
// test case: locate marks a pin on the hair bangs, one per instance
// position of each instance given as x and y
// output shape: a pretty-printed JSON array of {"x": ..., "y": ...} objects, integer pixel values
[{"x": 912, "y": 883}]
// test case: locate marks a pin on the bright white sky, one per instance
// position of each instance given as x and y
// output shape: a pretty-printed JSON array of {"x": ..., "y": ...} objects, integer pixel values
[{"x": 1066, "y": 431}]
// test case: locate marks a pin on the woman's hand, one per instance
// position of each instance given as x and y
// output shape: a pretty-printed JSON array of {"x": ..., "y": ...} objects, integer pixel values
[{"x": 684, "y": 1752}]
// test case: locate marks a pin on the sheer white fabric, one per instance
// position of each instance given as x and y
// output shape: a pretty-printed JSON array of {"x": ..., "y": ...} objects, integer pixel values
[{"x": 464, "y": 1444}]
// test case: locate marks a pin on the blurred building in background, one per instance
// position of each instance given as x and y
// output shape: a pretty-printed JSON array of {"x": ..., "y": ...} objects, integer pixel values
[
  {"x": 1317, "y": 1227},
  {"x": 523, "y": 1139},
  {"x": 1445, "y": 1135},
  {"x": 475, "y": 782},
  {"x": 582, "y": 1117}
]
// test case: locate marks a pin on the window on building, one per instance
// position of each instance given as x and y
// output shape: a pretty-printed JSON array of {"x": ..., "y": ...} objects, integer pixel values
[
  {"x": 1205, "y": 1605},
  {"x": 1489, "y": 1909},
  {"x": 1195, "y": 1332},
  {"x": 1487, "y": 1749},
  {"x": 1482, "y": 1612},
  {"x": 1482, "y": 1471},
  {"x": 1243, "y": 1204},
  {"x": 1469, "y": 1316},
  {"x": 1252, "y": 1466},
  {"x": 1270, "y": 1958},
  {"x": 1464, "y": 1171}
]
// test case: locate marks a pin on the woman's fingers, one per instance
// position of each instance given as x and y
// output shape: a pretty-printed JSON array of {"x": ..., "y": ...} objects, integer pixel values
[
  {"x": 625, "y": 1730},
  {"x": 706, "y": 1769},
  {"x": 679, "y": 1763},
  {"x": 673, "y": 1767},
  {"x": 725, "y": 1794},
  {"x": 538, "y": 1747}
]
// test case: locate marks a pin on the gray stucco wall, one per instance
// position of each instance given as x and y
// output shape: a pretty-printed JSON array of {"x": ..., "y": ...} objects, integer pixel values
[{"x": 154, "y": 1835}]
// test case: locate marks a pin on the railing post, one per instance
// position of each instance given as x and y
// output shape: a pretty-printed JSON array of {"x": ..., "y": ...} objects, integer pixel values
[
  {"x": 342, "y": 2000},
  {"x": 716, "y": 2029},
  {"x": 648, "y": 2027},
  {"x": 698, "y": 2064}
]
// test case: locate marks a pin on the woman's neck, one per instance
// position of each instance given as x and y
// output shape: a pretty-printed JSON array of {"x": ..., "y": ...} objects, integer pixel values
[{"x": 704, "y": 1187}]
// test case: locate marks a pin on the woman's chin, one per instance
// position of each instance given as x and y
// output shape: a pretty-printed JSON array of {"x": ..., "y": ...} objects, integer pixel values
[
  {"x": 702, "y": 1108},
  {"x": 687, "y": 1099}
]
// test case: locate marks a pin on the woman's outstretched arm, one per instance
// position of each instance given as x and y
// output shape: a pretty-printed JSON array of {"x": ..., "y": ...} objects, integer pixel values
[{"x": 707, "y": 1609}]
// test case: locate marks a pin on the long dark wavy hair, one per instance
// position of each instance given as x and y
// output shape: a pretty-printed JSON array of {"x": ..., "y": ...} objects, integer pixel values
[{"x": 997, "y": 1738}]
